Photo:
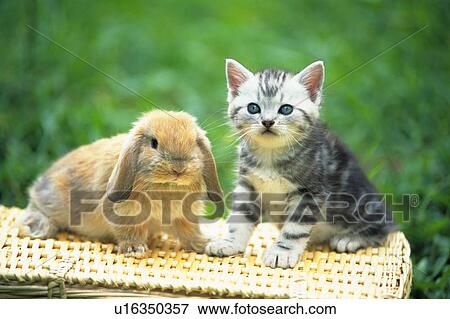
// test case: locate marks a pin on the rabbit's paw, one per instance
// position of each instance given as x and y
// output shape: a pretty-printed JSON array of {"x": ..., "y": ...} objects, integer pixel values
[
  {"x": 132, "y": 249},
  {"x": 37, "y": 225},
  {"x": 198, "y": 245}
]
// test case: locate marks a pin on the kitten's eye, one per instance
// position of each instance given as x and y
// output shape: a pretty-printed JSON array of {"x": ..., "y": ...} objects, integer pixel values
[
  {"x": 253, "y": 108},
  {"x": 154, "y": 143},
  {"x": 286, "y": 109}
]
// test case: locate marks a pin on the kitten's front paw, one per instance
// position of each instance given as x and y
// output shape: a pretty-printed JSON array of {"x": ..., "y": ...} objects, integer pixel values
[
  {"x": 223, "y": 247},
  {"x": 132, "y": 249},
  {"x": 347, "y": 243},
  {"x": 276, "y": 256}
]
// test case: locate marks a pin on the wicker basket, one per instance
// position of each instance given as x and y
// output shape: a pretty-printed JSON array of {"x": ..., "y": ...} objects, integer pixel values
[{"x": 69, "y": 267}]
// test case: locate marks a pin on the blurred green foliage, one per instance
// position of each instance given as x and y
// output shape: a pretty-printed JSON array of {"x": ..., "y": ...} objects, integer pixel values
[{"x": 393, "y": 112}]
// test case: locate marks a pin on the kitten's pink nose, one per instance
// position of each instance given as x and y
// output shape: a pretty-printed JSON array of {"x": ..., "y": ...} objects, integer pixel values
[{"x": 268, "y": 123}]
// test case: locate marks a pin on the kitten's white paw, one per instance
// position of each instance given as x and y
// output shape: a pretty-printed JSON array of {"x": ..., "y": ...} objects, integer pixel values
[
  {"x": 276, "y": 256},
  {"x": 223, "y": 247},
  {"x": 346, "y": 243}
]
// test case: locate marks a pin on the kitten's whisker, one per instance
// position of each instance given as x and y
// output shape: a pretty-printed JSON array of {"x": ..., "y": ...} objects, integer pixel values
[
  {"x": 236, "y": 141},
  {"x": 293, "y": 133},
  {"x": 243, "y": 132},
  {"x": 289, "y": 141},
  {"x": 212, "y": 114},
  {"x": 233, "y": 134},
  {"x": 211, "y": 123},
  {"x": 220, "y": 125}
]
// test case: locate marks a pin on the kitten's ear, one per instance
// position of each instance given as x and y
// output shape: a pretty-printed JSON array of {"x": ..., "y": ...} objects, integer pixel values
[
  {"x": 312, "y": 78},
  {"x": 236, "y": 75}
]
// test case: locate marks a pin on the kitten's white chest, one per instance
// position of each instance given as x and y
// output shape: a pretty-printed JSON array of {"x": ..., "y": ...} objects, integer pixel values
[{"x": 267, "y": 181}]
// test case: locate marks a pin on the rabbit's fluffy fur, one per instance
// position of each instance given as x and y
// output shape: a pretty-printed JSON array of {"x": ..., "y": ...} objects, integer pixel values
[{"x": 164, "y": 151}]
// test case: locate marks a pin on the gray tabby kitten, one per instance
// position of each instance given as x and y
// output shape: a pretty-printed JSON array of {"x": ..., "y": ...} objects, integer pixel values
[{"x": 286, "y": 154}]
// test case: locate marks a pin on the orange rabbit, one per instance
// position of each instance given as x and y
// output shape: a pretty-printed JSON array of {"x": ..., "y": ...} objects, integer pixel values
[{"x": 165, "y": 153}]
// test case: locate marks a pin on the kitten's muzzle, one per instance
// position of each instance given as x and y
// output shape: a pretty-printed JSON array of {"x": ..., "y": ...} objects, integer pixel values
[{"x": 268, "y": 131}]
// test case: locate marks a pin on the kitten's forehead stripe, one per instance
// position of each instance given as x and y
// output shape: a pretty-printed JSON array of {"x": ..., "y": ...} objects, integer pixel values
[{"x": 270, "y": 82}]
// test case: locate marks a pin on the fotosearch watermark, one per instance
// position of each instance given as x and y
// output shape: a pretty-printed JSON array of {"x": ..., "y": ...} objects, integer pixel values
[{"x": 302, "y": 207}]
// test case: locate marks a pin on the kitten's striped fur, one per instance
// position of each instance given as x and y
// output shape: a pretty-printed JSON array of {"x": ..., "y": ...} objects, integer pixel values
[{"x": 298, "y": 159}]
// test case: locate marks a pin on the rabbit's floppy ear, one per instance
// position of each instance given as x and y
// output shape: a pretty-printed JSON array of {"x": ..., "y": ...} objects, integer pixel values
[
  {"x": 120, "y": 183},
  {"x": 209, "y": 169}
]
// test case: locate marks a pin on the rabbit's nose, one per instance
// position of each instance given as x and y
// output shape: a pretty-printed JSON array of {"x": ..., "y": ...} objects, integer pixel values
[{"x": 177, "y": 171}]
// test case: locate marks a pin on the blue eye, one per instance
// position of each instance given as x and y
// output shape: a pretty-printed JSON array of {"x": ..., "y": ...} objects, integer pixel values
[
  {"x": 286, "y": 109},
  {"x": 253, "y": 108}
]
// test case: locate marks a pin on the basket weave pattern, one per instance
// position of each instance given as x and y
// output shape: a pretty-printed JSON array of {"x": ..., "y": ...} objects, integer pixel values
[{"x": 70, "y": 263}]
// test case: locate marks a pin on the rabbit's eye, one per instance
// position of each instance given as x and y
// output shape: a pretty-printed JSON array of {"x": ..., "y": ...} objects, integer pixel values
[{"x": 154, "y": 143}]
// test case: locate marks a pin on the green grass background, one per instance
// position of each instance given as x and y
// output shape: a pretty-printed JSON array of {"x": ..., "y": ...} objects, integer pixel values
[{"x": 393, "y": 112}]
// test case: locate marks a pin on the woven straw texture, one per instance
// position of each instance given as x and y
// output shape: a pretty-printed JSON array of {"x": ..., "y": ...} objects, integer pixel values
[{"x": 69, "y": 267}]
